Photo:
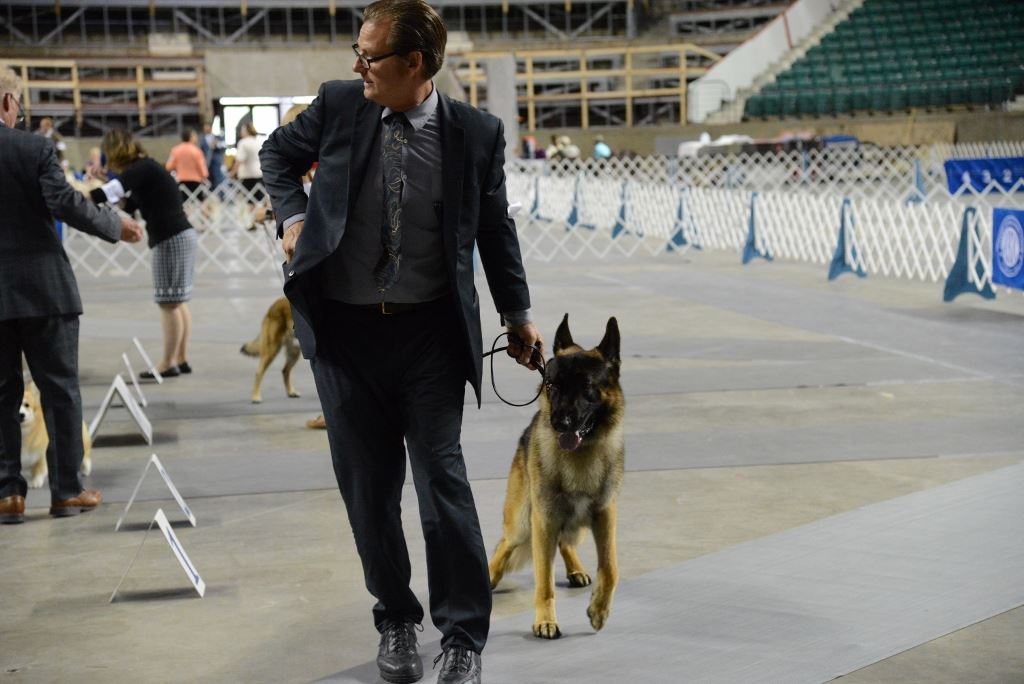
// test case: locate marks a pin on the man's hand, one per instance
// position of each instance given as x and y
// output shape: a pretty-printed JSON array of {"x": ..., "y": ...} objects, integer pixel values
[
  {"x": 523, "y": 337},
  {"x": 291, "y": 239},
  {"x": 130, "y": 230}
]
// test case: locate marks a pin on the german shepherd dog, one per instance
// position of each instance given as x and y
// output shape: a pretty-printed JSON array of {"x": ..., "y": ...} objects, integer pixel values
[
  {"x": 276, "y": 331},
  {"x": 566, "y": 476}
]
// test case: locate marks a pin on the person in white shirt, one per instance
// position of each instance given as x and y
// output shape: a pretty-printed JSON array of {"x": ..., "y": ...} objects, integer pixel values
[
  {"x": 247, "y": 162},
  {"x": 247, "y": 169}
]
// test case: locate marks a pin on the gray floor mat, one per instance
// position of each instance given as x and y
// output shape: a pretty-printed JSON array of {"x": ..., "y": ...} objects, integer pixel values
[{"x": 806, "y": 605}]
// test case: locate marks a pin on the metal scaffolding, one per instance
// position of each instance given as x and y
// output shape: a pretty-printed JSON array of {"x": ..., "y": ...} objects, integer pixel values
[{"x": 110, "y": 24}]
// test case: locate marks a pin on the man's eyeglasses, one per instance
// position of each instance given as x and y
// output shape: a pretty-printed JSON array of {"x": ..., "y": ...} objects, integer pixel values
[
  {"x": 365, "y": 61},
  {"x": 19, "y": 121}
]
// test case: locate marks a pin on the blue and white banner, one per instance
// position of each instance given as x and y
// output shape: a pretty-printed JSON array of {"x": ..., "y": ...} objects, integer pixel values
[
  {"x": 980, "y": 174},
  {"x": 1008, "y": 247}
]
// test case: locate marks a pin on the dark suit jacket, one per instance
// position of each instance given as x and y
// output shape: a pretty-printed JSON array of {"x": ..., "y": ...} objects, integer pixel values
[
  {"x": 35, "y": 274},
  {"x": 339, "y": 130}
]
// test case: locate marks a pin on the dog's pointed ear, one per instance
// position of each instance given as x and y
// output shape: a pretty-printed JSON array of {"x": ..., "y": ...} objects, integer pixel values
[
  {"x": 609, "y": 346},
  {"x": 563, "y": 338}
]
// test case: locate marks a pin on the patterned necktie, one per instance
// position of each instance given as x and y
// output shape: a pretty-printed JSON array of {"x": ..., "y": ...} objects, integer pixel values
[{"x": 386, "y": 272}]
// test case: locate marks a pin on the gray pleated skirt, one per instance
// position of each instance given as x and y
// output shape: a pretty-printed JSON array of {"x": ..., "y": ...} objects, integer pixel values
[{"x": 174, "y": 264}]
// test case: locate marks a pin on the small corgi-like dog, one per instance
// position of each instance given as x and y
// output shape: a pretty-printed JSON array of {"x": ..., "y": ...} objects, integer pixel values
[{"x": 34, "y": 439}]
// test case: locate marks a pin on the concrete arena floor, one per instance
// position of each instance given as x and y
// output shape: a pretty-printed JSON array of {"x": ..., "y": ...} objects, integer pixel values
[{"x": 759, "y": 398}]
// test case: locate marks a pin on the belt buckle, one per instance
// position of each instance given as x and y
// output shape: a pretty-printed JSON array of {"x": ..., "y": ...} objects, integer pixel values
[{"x": 384, "y": 308}]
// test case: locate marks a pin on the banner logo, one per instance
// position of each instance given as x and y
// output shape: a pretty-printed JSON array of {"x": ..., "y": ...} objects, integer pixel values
[{"x": 1010, "y": 246}]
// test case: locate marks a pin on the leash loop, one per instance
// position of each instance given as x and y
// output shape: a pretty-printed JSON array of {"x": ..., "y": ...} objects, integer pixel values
[{"x": 539, "y": 361}]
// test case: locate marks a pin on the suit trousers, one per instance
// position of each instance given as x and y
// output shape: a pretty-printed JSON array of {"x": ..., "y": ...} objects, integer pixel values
[
  {"x": 50, "y": 345},
  {"x": 382, "y": 378}
]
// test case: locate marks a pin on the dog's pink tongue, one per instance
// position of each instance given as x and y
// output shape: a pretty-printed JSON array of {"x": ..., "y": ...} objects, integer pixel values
[{"x": 569, "y": 441}]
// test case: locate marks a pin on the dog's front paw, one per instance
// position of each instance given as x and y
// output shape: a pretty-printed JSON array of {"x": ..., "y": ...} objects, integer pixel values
[
  {"x": 547, "y": 630},
  {"x": 294, "y": 395},
  {"x": 598, "y": 614},
  {"x": 579, "y": 579},
  {"x": 87, "y": 466},
  {"x": 37, "y": 481},
  {"x": 257, "y": 400}
]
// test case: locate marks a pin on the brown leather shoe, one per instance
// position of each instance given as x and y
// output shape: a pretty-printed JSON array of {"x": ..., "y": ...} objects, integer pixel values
[
  {"x": 12, "y": 510},
  {"x": 317, "y": 423},
  {"x": 86, "y": 500}
]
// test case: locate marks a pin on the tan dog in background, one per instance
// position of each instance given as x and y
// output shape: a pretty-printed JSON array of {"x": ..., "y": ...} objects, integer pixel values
[
  {"x": 35, "y": 440},
  {"x": 277, "y": 330},
  {"x": 566, "y": 477}
]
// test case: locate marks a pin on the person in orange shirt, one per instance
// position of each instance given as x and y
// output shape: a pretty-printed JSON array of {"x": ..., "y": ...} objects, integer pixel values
[{"x": 188, "y": 163}]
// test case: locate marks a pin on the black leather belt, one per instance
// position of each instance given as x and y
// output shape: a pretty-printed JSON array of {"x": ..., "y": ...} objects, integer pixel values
[{"x": 390, "y": 308}]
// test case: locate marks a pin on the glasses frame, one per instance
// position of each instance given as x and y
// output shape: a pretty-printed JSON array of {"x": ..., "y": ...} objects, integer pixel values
[
  {"x": 20, "y": 118},
  {"x": 367, "y": 62}
]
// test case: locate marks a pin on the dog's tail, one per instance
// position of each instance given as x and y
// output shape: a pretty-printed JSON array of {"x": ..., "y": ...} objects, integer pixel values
[
  {"x": 519, "y": 557},
  {"x": 251, "y": 348}
]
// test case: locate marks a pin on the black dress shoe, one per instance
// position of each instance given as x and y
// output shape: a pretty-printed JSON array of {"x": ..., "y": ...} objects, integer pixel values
[
  {"x": 397, "y": 658},
  {"x": 171, "y": 372},
  {"x": 184, "y": 368},
  {"x": 460, "y": 666}
]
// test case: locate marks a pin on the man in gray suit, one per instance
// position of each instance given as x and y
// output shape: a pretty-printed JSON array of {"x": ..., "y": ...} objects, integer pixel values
[
  {"x": 380, "y": 279},
  {"x": 39, "y": 307}
]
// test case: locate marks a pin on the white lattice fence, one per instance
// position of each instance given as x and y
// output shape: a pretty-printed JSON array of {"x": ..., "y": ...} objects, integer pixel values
[
  {"x": 231, "y": 230},
  {"x": 570, "y": 216},
  {"x": 718, "y": 218},
  {"x": 800, "y": 226},
  {"x": 902, "y": 222},
  {"x": 913, "y": 241},
  {"x": 867, "y": 171}
]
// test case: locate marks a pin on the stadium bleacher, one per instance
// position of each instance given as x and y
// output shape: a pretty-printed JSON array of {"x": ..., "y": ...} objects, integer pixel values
[{"x": 895, "y": 55}]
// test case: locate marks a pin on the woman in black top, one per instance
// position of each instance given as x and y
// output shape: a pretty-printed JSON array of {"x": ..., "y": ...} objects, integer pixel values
[{"x": 149, "y": 188}]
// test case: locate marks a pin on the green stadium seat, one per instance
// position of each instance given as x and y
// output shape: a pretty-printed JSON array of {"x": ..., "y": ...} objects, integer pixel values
[
  {"x": 898, "y": 54},
  {"x": 805, "y": 102},
  {"x": 897, "y": 98},
  {"x": 772, "y": 104},
  {"x": 789, "y": 103},
  {"x": 970, "y": 61},
  {"x": 1016, "y": 78},
  {"x": 861, "y": 98},
  {"x": 938, "y": 94},
  {"x": 916, "y": 95},
  {"x": 978, "y": 91},
  {"x": 958, "y": 92},
  {"x": 824, "y": 102},
  {"x": 1000, "y": 90},
  {"x": 754, "y": 106},
  {"x": 879, "y": 99},
  {"x": 842, "y": 100}
]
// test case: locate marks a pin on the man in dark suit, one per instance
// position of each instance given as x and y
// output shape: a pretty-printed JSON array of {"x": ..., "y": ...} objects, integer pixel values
[
  {"x": 39, "y": 307},
  {"x": 380, "y": 278}
]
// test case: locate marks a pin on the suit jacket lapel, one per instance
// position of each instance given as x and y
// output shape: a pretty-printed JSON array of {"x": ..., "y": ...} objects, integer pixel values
[
  {"x": 364, "y": 134},
  {"x": 452, "y": 164}
]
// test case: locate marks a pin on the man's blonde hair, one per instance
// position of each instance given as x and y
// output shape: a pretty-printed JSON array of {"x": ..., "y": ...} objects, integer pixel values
[{"x": 9, "y": 82}]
